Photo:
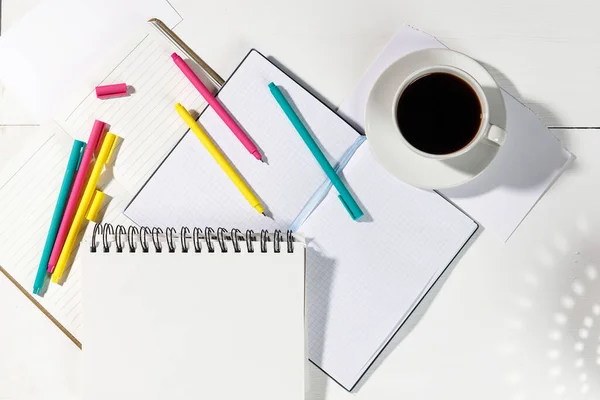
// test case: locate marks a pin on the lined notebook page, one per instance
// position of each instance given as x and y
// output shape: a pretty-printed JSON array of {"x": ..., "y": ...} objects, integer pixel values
[
  {"x": 182, "y": 326},
  {"x": 146, "y": 119},
  {"x": 364, "y": 278},
  {"x": 27, "y": 202},
  {"x": 189, "y": 188}
]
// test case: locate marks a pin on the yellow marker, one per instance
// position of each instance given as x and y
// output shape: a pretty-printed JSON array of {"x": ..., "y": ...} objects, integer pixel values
[
  {"x": 90, "y": 203},
  {"x": 219, "y": 158},
  {"x": 95, "y": 205}
]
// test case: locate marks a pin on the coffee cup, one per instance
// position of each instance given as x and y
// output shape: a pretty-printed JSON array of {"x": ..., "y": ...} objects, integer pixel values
[{"x": 442, "y": 112}]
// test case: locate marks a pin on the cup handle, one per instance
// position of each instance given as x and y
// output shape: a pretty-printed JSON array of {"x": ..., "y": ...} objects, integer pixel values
[{"x": 496, "y": 135}]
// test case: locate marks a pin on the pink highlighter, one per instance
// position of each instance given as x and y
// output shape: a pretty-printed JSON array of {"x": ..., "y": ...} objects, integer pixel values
[
  {"x": 216, "y": 105},
  {"x": 74, "y": 196}
]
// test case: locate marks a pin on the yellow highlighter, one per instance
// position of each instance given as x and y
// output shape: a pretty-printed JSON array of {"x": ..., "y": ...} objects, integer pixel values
[
  {"x": 219, "y": 158},
  {"x": 88, "y": 206}
]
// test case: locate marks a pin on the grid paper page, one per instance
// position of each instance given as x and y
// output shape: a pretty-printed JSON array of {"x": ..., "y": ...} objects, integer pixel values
[
  {"x": 146, "y": 119},
  {"x": 27, "y": 202},
  {"x": 216, "y": 326},
  {"x": 364, "y": 278},
  {"x": 189, "y": 188}
]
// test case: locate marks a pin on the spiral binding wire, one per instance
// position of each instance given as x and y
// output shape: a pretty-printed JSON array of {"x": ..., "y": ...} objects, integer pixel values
[{"x": 206, "y": 240}]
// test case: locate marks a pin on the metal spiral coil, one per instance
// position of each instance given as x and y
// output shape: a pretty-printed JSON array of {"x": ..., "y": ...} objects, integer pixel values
[{"x": 201, "y": 240}]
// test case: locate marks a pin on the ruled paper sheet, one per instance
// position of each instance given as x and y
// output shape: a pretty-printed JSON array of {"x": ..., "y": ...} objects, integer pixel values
[
  {"x": 146, "y": 119},
  {"x": 27, "y": 201},
  {"x": 83, "y": 54}
]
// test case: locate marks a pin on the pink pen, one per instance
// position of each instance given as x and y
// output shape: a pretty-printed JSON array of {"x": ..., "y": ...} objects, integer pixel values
[
  {"x": 216, "y": 105},
  {"x": 75, "y": 194}
]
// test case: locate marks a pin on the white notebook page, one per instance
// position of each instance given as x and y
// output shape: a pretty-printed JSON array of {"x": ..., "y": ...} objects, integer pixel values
[
  {"x": 364, "y": 278},
  {"x": 146, "y": 119},
  {"x": 27, "y": 202},
  {"x": 189, "y": 188},
  {"x": 178, "y": 326}
]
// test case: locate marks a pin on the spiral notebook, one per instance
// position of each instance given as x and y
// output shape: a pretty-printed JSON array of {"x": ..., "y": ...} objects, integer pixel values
[
  {"x": 363, "y": 278},
  {"x": 196, "y": 313}
]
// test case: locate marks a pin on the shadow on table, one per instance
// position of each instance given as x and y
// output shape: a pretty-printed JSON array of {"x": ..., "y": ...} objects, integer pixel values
[
  {"x": 557, "y": 291},
  {"x": 528, "y": 158},
  {"x": 572, "y": 340},
  {"x": 318, "y": 283}
]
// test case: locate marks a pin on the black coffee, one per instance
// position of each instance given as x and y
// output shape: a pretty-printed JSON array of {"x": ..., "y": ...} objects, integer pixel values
[{"x": 439, "y": 113}]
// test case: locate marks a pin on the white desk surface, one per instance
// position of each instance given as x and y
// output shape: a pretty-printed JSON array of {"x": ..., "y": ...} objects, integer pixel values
[{"x": 515, "y": 321}]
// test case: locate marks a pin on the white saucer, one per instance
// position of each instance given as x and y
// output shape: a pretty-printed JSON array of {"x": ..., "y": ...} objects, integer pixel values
[{"x": 391, "y": 151}]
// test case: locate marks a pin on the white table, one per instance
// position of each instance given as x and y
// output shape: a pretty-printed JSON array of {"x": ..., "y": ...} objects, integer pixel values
[{"x": 513, "y": 321}]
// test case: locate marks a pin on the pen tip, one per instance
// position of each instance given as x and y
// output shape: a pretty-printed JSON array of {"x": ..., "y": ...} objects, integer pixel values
[
  {"x": 264, "y": 214},
  {"x": 257, "y": 155}
]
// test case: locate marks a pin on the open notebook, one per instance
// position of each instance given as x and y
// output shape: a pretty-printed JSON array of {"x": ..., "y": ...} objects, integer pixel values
[
  {"x": 189, "y": 188},
  {"x": 226, "y": 324},
  {"x": 149, "y": 127},
  {"x": 363, "y": 278}
]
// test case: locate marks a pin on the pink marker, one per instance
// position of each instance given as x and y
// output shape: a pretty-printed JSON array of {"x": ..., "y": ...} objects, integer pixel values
[
  {"x": 110, "y": 91},
  {"x": 74, "y": 196},
  {"x": 216, "y": 105}
]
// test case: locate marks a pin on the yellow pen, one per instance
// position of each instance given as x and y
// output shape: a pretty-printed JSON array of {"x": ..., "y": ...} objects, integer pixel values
[
  {"x": 219, "y": 158},
  {"x": 90, "y": 202}
]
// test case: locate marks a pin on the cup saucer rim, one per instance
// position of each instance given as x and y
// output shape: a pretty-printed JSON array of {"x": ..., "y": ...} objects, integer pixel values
[{"x": 391, "y": 151}]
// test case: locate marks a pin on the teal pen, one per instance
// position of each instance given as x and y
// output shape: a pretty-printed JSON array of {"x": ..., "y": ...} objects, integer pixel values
[
  {"x": 61, "y": 203},
  {"x": 344, "y": 195}
]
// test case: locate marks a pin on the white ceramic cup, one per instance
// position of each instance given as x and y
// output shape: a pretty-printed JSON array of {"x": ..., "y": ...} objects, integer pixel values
[{"x": 487, "y": 132}]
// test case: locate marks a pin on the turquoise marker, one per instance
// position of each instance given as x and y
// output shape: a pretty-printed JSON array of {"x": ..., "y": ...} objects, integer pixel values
[
  {"x": 344, "y": 195},
  {"x": 61, "y": 203}
]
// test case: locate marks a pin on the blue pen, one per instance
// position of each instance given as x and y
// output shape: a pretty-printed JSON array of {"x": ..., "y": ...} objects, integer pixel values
[
  {"x": 344, "y": 195},
  {"x": 61, "y": 203}
]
